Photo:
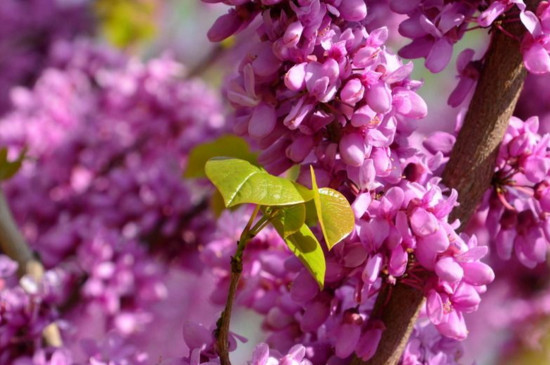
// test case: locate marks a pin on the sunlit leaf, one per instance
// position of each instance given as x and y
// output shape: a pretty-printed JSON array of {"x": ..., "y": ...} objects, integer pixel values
[
  {"x": 228, "y": 146},
  {"x": 317, "y": 200},
  {"x": 241, "y": 182},
  {"x": 289, "y": 219},
  {"x": 334, "y": 213},
  {"x": 305, "y": 246},
  {"x": 311, "y": 214}
]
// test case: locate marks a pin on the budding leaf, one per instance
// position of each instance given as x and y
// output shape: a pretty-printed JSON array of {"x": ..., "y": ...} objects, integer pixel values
[
  {"x": 289, "y": 219},
  {"x": 308, "y": 250},
  {"x": 334, "y": 213},
  {"x": 241, "y": 182},
  {"x": 9, "y": 168},
  {"x": 228, "y": 145}
]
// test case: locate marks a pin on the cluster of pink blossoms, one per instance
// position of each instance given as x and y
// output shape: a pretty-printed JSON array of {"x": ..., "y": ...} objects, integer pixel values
[
  {"x": 519, "y": 204},
  {"x": 100, "y": 197},
  {"x": 26, "y": 309},
  {"x": 303, "y": 323},
  {"x": 414, "y": 219},
  {"x": 515, "y": 211},
  {"x": 337, "y": 322},
  {"x": 28, "y": 30},
  {"x": 435, "y": 26},
  {"x": 100, "y": 129},
  {"x": 317, "y": 88}
]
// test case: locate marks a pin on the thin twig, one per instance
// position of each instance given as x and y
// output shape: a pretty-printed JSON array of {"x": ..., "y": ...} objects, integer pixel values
[{"x": 14, "y": 245}]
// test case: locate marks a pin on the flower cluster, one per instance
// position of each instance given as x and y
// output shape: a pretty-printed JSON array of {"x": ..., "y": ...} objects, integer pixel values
[
  {"x": 536, "y": 44},
  {"x": 101, "y": 191},
  {"x": 427, "y": 346},
  {"x": 403, "y": 231},
  {"x": 435, "y": 26},
  {"x": 518, "y": 205},
  {"x": 28, "y": 29},
  {"x": 100, "y": 135},
  {"x": 413, "y": 220},
  {"x": 26, "y": 308},
  {"x": 317, "y": 87},
  {"x": 514, "y": 212}
]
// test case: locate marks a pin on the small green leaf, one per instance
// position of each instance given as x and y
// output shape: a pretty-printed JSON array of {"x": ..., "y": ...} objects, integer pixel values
[
  {"x": 305, "y": 246},
  {"x": 289, "y": 219},
  {"x": 311, "y": 214},
  {"x": 10, "y": 168},
  {"x": 335, "y": 215},
  {"x": 228, "y": 145},
  {"x": 241, "y": 182},
  {"x": 317, "y": 200}
]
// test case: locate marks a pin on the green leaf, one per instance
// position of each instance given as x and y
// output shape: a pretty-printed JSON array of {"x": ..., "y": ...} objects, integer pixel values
[
  {"x": 311, "y": 214},
  {"x": 305, "y": 246},
  {"x": 10, "y": 168},
  {"x": 228, "y": 145},
  {"x": 217, "y": 205},
  {"x": 289, "y": 219},
  {"x": 317, "y": 200},
  {"x": 335, "y": 215},
  {"x": 241, "y": 182}
]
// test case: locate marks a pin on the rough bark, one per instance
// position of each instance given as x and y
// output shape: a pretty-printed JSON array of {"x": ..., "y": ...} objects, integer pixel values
[
  {"x": 469, "y": 171},
  {"x": 472, "y": 163}
]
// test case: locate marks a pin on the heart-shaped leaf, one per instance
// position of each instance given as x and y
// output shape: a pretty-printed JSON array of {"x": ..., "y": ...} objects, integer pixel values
[
  {"x": 305, "y": 246},
  {"x": 241, "y": 182},
  {"x": 289, "y": 219},
  {"x": 124, "y": 23},
  {"x": 228, "y": 145},
  {"x": 334, "y": 213}
]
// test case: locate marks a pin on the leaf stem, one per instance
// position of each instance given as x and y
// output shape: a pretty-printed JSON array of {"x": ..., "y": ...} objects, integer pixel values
[{"x": 222, "y": 330}]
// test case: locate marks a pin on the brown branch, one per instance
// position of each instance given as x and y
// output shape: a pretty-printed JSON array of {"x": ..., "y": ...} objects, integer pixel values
[
  {"x": 399, "y": 316},
  {"x": 469, "y": 171},
  {"x": 14, "y": 245},
  {"x": 222, "y": 327},
  {"x": 225, "y": 319},
  {"x": 472, "y": 163}
]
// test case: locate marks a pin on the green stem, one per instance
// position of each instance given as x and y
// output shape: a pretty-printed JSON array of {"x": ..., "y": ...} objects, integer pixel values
[{"x": 222, "y": 330}]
